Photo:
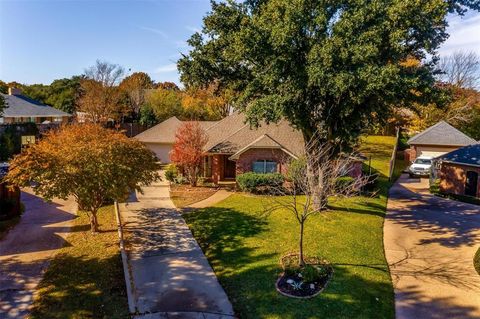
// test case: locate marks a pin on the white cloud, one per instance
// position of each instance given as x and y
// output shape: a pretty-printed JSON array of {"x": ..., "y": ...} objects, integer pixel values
[
  {"x": 166, "y": 68},
  {"x": 156, "y": 31},
  {"x": 464, "y": 35}
]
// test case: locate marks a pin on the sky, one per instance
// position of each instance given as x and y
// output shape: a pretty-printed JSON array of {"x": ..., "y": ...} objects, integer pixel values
[{"x": 43, "y": 40}]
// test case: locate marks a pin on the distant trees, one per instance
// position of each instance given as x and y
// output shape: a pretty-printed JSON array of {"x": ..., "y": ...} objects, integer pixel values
[
  {"x": 88, "y": 162},
  {"x": 461, "y": 69},
  {"x": 134, "y": 87},
  {"x": 100, "y": 96},
  {"x": 3, "y": 104},
  {"x": 187, "y": 151}
]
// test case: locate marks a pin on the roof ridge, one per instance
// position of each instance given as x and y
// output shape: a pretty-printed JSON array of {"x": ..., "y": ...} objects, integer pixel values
[{"x": 413, "y": 138}]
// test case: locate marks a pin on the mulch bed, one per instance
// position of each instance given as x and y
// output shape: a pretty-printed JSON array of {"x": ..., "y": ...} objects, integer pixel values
[{"x": 307, "y": 290}]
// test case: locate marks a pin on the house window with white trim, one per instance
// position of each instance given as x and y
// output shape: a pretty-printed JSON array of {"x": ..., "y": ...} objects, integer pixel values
[{"x": 264, "y": 166}]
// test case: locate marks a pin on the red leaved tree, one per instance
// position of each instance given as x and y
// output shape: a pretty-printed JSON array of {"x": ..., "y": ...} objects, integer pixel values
[{"x": 187, "y": 151}]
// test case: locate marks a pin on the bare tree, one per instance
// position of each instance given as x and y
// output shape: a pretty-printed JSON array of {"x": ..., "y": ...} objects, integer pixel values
[
  {"x": 317, "y": 175},
  {"x": 461, "y": 69},
  {"x": 100, "y": 96}
]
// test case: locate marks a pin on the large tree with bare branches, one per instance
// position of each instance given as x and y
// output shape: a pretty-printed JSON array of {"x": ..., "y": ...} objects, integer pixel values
[{"x": 461, "y": 69}]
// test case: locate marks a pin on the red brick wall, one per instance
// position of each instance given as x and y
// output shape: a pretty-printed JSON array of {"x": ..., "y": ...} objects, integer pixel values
[
  {"x": 452, "y": 178},
  {"x": 245, "y": 161}
]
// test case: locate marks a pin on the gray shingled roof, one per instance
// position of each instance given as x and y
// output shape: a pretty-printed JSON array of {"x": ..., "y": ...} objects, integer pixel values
[
  {"x": 164, "y": 133},
  {"x": 467, "y": 155},
  {"x": 441, "y": 133},
  {"x": 21, "y": 106}
]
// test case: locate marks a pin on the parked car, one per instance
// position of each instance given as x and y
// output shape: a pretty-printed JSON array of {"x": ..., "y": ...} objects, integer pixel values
[{"x": 421, "y": 166}]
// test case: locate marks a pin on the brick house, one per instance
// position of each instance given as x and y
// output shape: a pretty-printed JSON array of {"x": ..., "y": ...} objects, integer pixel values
[
  {"x": 234, "y": 147},
  {"x": 459, "y": 171},
  {"x": 436, "y": 140}
]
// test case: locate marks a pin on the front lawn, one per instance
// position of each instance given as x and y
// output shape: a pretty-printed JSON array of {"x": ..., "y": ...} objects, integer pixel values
[
  {"x": 244, "y": 247},
  {"x": 184, "y": 195},
  {"x": 85, "y": 280}
]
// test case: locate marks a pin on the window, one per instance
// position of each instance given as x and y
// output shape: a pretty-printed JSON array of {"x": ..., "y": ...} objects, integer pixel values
[{"x": 264, "y": 166}]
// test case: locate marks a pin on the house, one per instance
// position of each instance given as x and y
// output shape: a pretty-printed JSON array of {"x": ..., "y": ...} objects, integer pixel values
[
  {"x": 459, "y": 171},
  {"x": 21, "y": 109},
  {"x": 234, "y": 147},
  {"x": 437, "y": 140},
  {"x": 161, "y": 137}
]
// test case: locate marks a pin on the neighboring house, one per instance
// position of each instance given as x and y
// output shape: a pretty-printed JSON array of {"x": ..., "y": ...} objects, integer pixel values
[
  {"x": 437, "y": 140},
  {"x": 161, "y": 137},
  {"x": 234, "y": 147},
  {"x": 459, "y": 171},
  {"x": 21, "y": 109}
]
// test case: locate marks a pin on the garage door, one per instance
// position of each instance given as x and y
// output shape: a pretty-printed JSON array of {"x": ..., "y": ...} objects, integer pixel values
[
  {"x": 161, "y": 150},
  {"x": 434, "y": 151}
]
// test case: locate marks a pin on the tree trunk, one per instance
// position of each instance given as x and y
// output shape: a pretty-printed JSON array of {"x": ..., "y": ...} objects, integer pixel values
[
  {"x": 93, "y": 222},
  {"x": 301, "y": 260}
]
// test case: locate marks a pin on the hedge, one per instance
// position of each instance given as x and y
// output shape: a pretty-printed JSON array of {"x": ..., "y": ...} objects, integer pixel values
[{"x": 255, "y": 182}]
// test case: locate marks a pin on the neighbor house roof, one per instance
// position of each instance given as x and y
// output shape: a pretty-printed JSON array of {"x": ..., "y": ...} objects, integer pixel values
[
  {"x": 441, "y": 133},
  {"x": 164, "y": 133},
  {"x": 22, "y": 106},
  {"x": 467, "y": 155}
]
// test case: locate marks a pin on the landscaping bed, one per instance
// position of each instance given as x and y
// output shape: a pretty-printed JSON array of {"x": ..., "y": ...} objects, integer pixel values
[
  {"x": 183, "y": 195},
  {"x": 85, "y": 279},
  {"x": 243, "y": 245}
]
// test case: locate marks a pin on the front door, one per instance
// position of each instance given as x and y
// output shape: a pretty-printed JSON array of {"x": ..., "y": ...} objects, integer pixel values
[
  {"x": 471, "y": 183},
  {"x": 230, "y": 167}
]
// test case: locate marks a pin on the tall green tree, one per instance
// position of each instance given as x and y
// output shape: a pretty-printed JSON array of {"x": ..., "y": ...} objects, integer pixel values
[{"x": 333, "y": 68}]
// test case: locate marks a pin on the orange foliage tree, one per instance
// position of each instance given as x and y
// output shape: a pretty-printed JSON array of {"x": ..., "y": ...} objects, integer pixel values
[
  {"x": 88, "y": 162},
  {"x": 190, "y": 139}
]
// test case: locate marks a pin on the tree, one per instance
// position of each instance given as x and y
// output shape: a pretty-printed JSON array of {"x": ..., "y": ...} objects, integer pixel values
[
  {"x": 461, "y": 69},
  {"x": 332, "y": 68},
  {"x": 88, "y": 162},
  {"x": 3, "y": 87},
  {"x": 206, "y": 104},
  {"x": 164, "y": 103},
  {"x": 134, "y": 87},
  {"x": 312, "y": 177},
  {"x": 63, "y": 94},
  {"x": 3, "y": 104},
  {"x": 187, "y": 152}
]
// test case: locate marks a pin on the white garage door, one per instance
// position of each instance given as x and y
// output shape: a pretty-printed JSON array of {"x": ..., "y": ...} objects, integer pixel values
[
  {"x": 161, "y": 150},
  {"x": 434, "y": 151}
]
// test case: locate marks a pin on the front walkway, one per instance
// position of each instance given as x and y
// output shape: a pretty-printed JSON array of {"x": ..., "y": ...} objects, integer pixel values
[
  {"x": 171, "y": 276},
  {"x": 429, "y": 244},
  {"x": 27, "y": 249}
]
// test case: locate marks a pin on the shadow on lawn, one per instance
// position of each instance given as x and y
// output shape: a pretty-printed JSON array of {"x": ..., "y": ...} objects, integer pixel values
[{"x": 249, "y": 277}]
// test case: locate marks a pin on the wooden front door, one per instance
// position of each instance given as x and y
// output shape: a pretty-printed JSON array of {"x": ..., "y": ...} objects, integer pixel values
[
  {"x": 471, "y": 183},
  {"x": 230, "y": 167}
]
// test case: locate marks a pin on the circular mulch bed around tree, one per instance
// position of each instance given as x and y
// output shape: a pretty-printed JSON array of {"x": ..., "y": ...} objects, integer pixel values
[{"x": 292, "y": 283}]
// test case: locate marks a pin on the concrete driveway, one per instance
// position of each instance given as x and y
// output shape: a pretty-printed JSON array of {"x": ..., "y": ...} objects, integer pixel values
[
  {"x": 27, "y": 249},
  {"x": 429, "y": 244}
]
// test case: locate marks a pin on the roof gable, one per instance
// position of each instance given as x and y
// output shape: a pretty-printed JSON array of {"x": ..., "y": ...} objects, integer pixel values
[
  {"x": 22, "y": 106},
  {"x": 468, "y": 155},
  {"x": 441, "y": 133}
]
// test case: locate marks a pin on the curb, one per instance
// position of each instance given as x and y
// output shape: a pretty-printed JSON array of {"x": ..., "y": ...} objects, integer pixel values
[{"x": 126, "y": 268}]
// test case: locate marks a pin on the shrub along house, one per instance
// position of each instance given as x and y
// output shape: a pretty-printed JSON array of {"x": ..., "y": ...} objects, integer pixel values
[
  {"x": 436, "y": 140},
  {"x": 459, "y": 171},
  {"x": 234, "y": 147}
]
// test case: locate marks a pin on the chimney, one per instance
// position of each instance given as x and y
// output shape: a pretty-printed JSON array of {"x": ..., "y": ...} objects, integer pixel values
[{"x": 14, "y": 91}]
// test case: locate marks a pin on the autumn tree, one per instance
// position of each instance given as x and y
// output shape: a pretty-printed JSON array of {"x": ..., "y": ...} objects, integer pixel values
[
  {"x": 187, "y": 152},
  {"x": 329, "y": 67},
  {"x": 88, "y": 162},
  {"x": 3, "y": 104},
  {"x": 100, "y": 95},
  {"x": 134, "y": 87},
  {"x": 164, "y": 103},
  {"x": 461, "y": 69},
  {"x": 206, "y": 103}
]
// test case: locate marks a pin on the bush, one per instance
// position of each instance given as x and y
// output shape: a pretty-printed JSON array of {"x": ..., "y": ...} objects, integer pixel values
[
  {"x": 171, "y": 173},
  {"x": 476, "y": 261},
  {"x": 254, "y": 182},
  {"x": 402, "y": 142},
  {"x": 344, "y": 182}
]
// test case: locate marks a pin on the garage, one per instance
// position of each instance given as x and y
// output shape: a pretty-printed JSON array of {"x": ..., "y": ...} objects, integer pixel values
[{"x": 437, "y": 140}]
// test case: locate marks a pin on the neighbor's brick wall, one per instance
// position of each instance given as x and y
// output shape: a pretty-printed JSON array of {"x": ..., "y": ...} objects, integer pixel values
[
  {"x": 245, "y": 161},
  {"x": 452, "y": 178}
]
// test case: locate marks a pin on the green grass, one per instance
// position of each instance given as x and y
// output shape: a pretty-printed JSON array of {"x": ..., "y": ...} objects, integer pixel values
[
  {"x": 244, "y": 247},
  {"x": 85, "y": 280}
]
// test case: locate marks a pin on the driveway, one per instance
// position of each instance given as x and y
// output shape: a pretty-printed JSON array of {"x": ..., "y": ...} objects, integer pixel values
[
  {"x": 429, "y": 244},
  {"x": 171, "y": 276},
  {"x": 27, "y": 249}
]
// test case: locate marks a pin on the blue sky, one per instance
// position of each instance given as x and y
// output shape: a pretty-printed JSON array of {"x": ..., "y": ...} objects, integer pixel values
[{"x": 43, "y": 40}]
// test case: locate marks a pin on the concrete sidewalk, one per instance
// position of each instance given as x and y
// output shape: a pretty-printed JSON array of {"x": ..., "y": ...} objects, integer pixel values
[
  {"x": 171, "y": 276},
  {"x": 429, "y": 244},
  {"x": 27, "y": 249}
]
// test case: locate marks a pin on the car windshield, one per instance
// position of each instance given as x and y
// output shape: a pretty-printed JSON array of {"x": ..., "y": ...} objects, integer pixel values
[{"x": 423, "y": 161}]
